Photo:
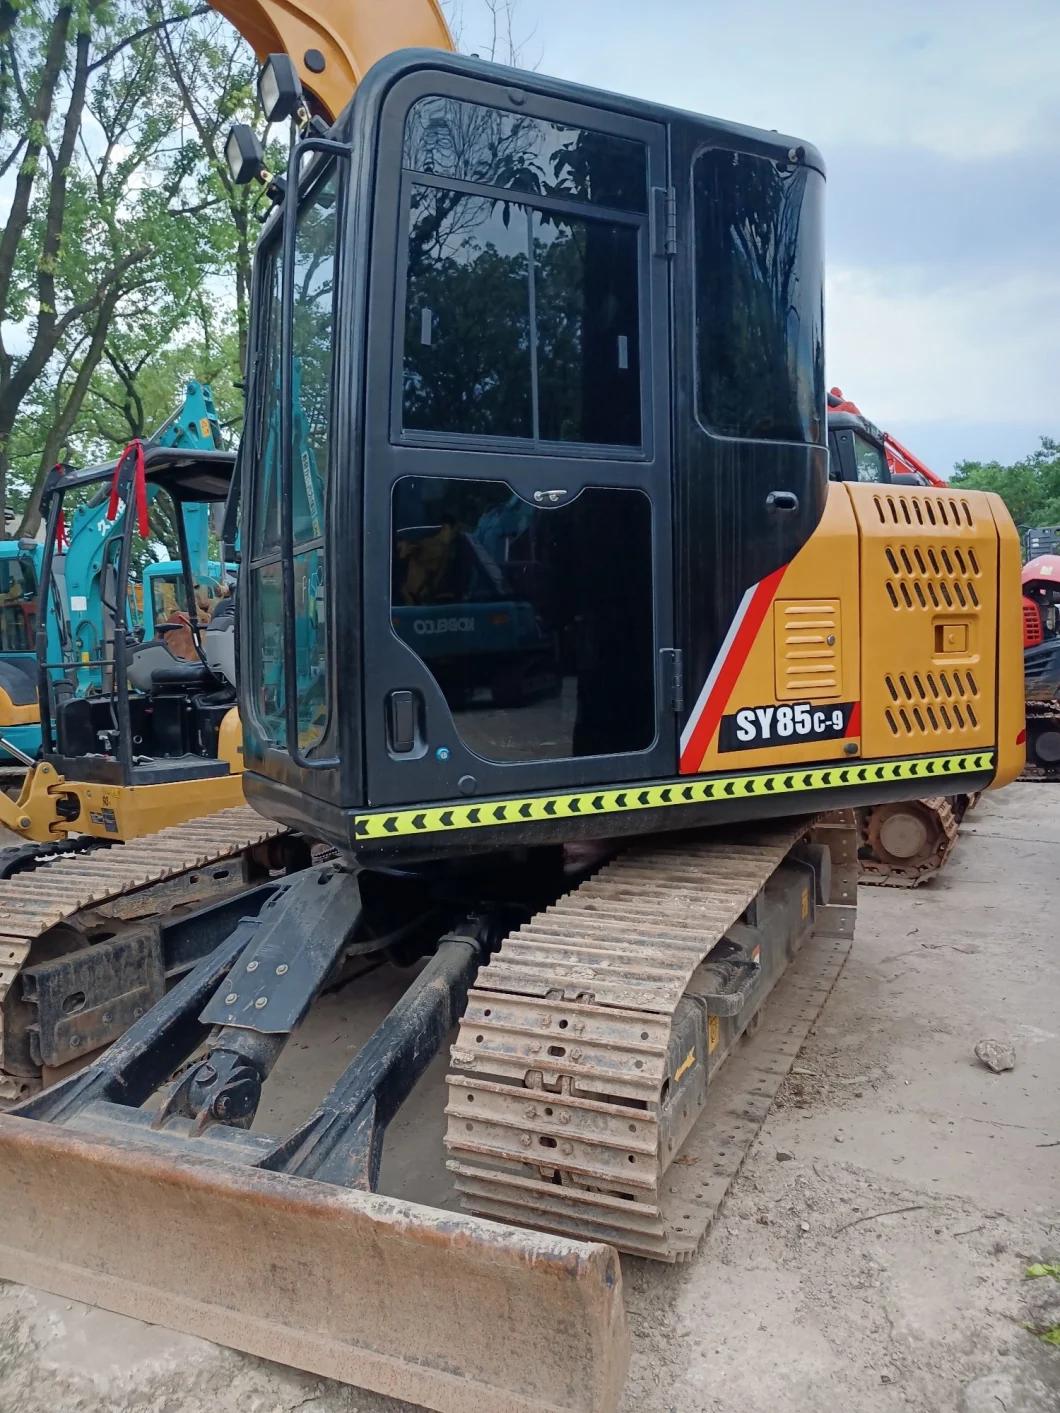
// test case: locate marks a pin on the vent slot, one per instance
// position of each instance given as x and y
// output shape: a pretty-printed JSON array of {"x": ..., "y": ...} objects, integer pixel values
[
  {"x": 926, "y": 507},
  {"x": 807, "y": 648},
  {"x": 935, "y": 703},
  {"x": 931, "y": 577}
]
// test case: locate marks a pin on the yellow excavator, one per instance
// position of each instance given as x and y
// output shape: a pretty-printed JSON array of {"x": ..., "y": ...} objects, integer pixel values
[{"x": 553, "y": 628}]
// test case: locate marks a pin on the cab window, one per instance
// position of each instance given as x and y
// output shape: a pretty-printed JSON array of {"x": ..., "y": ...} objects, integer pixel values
[
  {"x": 759, "y": 309},
  {"x": 18, "y": 606},
  {"x": 521, "y": 319},
  {"x": 870, "y": 460},
  {"x": 312, "y": 350}
]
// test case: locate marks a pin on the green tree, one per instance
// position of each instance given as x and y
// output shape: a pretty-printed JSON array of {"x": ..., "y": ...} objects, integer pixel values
[
  {"x": 1029, "y": 487},
  {"x": 117, "y": 256}
]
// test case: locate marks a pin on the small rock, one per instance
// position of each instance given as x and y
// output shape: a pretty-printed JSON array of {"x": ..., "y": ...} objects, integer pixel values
[
  {"x": 997, "y": 1055},
  {"x": 886, "y": 1379},
  {"x": 784, "y": 1157},
  {"x": 839, "y": 1138},
  {"x": 804, "y": 1226}
]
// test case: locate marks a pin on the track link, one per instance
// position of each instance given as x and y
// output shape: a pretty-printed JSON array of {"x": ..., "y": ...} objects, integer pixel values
[
  {"x": 49, "y": 887},
  {"x": 562, "y": 1064}
]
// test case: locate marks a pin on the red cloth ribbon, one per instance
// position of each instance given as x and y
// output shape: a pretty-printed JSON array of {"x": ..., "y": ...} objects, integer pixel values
[
  {"x": 139, "y": 490},
  {"x": 61, "y": 542}
]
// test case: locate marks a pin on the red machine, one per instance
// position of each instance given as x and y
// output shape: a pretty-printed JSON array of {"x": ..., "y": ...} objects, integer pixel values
[
  {"x": 1041, "y": 665},
  {"x": 905, "y": 466}
]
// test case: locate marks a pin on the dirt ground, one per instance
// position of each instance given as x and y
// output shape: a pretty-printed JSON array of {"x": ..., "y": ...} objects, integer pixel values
[{"x": 871, "y": 1257}]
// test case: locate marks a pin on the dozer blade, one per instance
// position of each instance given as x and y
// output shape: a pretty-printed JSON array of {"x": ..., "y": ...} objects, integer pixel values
[{"x": 441, "y": 1309}]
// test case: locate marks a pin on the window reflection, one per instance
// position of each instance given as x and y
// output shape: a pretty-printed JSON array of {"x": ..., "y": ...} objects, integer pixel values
[
  {"x": 536, "y": 624},
  {"x": 310, "y": 646},
  {"x": 759, "y": 298},
  {"x": 18, "y": 606},
  {"x": 585, "y": 299},
  {"x": 870, "y": 460},
  {"x": 268, "y": 676},
  {"x": 450, "y": 138},
  {"x": 311, "y": 370},
  {"x": 497, "y": 344},
  {"x": 467, "y": 316},
  {"x": 310, "y": 649}
]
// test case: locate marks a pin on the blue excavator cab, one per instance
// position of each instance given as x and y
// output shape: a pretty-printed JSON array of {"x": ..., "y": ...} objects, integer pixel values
[{"x": 78, "y": 612}]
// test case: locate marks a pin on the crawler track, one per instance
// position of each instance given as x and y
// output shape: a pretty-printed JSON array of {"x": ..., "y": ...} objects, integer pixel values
[
  {"x": 562, "y": 1065},
  {"x": 69, "y": 894},
  {"x": 934, "y": 822}
]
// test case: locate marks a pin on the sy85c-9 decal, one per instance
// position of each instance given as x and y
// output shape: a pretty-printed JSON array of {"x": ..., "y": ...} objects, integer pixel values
[{"x": 784, "y": 725}]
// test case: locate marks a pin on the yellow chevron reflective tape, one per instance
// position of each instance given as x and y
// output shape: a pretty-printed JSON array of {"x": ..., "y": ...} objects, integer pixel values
[{"x": 388, "y": 824}]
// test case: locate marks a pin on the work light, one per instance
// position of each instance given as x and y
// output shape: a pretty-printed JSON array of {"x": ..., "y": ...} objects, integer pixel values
[
  {"x": 244, "y": 154},
  {"x": 279, "y": 88}
]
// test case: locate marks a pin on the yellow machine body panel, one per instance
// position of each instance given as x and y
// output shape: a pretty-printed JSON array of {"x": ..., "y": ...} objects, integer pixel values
[
  {"x": 230, "y": 742},
  {"x": 807, "y": 650},
  {"x": 335, "y": 43},
  {"x": 893, "y": 632},
  {"x": 44, "y": 809},
  {"x": 1011, "y": 694},
  {"x": 11, "y": 714},
  {"x": 929, "y": 592}
]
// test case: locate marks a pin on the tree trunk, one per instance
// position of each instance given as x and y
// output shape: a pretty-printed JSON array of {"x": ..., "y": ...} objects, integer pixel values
[
  {"x": 63, "y": 424},
  {"x": 16, "y": 382}
]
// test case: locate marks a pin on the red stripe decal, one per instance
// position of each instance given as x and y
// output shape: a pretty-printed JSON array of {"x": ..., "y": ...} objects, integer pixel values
[
  {"x": 703, "y": 733},
  {"x": 854, "y": 724}
]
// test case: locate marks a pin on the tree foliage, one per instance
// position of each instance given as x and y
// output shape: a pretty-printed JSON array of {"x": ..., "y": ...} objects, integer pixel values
[
  {"x": 126, "y": 250},
  {"x": 1029, "y": 487},
  {"x": 123, "y": 231}
]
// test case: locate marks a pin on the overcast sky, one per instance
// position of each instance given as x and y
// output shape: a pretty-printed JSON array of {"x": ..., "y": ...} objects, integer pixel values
[{"x": 940, "y": 126}]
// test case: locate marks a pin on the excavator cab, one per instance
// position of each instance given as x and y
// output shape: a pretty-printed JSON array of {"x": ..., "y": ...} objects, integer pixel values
[
  {"x": 856, "y": 448},
  {"x": 464, "y": 303}
]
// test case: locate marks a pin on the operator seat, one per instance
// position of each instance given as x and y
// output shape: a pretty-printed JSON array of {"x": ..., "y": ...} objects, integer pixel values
[
  {"x": 152, "y": 665},
  {"x": 219, "y": 641}
]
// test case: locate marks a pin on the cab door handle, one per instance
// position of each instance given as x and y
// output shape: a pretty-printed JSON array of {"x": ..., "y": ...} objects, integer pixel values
[{"x": 786, "y": 501}]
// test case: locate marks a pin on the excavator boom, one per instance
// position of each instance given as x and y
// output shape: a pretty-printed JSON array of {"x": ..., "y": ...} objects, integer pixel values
[{"x": 335, "y": 42}]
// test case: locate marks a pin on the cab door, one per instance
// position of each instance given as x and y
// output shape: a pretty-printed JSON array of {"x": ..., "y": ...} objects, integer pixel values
[
  {"x": 518, "y": 625},
  {"x": 751, "y": 459}
]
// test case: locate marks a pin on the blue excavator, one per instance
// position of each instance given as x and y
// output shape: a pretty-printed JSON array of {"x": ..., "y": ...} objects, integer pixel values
[{"x": 76, "y": 611}]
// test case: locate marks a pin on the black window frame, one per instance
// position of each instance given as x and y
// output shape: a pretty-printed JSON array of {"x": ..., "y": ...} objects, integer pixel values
[{"x": 641, "y": 222}]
